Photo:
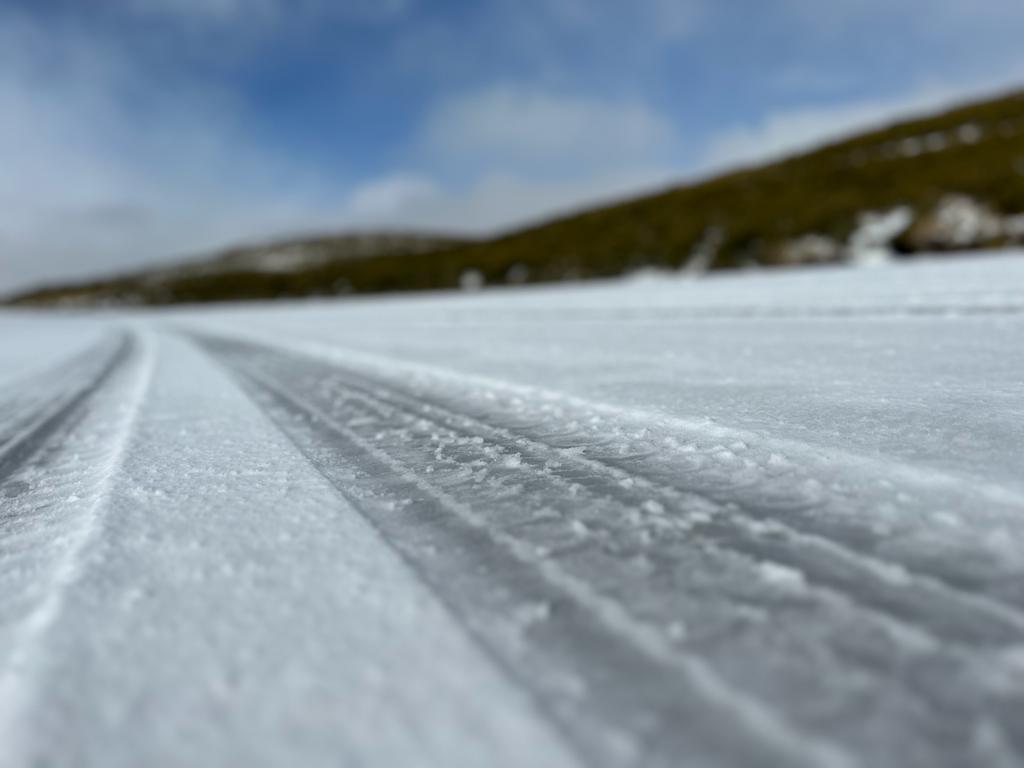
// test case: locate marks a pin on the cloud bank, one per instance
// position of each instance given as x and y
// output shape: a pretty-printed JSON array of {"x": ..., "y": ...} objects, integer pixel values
[{"x": 139, "y": 130}]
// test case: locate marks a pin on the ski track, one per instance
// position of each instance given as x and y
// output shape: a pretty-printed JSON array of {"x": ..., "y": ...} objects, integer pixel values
[
  {"x": 272, "y": 537},
  {"x": 716, "y": 705},
  {"x": 918, "y": 621},
  {"x": 158, "y": 632},
  {"x": 56, "y": 473},
  {"x": 37, "y": 408}
]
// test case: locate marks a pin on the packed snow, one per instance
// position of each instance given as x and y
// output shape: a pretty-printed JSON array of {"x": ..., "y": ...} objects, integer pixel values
[{"x": 759, "y": 519}]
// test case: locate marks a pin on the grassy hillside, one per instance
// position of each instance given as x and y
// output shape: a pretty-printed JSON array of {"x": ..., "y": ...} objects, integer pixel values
[
  {"x": 744, "y": 217},
  {"x": 265, "y": 270}
]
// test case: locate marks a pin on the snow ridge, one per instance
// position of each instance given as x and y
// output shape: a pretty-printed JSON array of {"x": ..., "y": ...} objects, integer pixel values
[
  {"x": 34, "y": 410},
  {"x": 82, "y": 440}
]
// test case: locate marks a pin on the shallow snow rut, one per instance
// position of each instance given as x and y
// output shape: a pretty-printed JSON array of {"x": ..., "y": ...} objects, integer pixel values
[
  {"x": 58, "y": 462},
  {"x": 33, "y": 412},
  {"x": 660, "y": 601},
  {"x": 181, "y": 587}
]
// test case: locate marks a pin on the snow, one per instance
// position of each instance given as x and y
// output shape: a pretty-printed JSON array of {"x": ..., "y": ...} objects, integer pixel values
[
  {"x": 178, "y": 626},
  {"x": 961, "y": 221},
  {"x": 761, "y": 519},
  {"x": 284, "y": 260},
  {"x": 869, "y": 243},
  {"x": 26, "y": 348}
]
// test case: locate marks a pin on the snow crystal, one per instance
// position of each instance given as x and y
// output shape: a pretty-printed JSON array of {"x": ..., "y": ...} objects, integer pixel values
[{"x": 783, "y": 576}]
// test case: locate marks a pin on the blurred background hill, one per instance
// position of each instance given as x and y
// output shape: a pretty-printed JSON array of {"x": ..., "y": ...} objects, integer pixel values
[{"x": 949, "y": 181}]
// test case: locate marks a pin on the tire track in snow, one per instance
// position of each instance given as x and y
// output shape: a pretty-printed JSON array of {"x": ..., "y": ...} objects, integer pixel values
[
  {"x": 755, "y": 500},
  {"x": 232, "y": 609},
  {"x": 53, "y": 505},
  {"x": 615, "y": 686},
  {"x": 392, "y": 421},
  {"x": 785, "y": 530},
  {"x": 909, "y": 612},
  {"x": 933, "y": 605},
  {"x": 42, "y": 405}
]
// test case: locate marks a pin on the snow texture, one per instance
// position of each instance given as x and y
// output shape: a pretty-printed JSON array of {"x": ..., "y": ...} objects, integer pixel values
[{"x": 757, "y": 520}]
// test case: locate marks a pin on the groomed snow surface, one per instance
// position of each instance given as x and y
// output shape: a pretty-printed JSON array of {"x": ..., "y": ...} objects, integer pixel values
[{"x": 756, "y": 520}]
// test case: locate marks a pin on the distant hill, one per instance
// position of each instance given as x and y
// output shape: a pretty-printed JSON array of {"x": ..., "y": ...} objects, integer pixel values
[
  {"x": 245, "y": 272},
  {"x": 949, "y": 181},
  {"x": 297, "y": 254}
]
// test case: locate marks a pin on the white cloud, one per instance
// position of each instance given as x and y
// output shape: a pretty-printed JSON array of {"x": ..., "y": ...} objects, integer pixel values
[
  {"x": 204, "y": 9},
  {"x": 388, "y": 199},
  {"x": 506, "y": 155},
  {"x": 676, "y": 20},
  {"x": 263, "y": 11},
  {"x": 512, "y": 126},
  {"x": 94, "y": 181},
  {"x": 798, "y": 129},
  {"x": 947, "y": 16},
  {"x": 494, "y": 203},
  {"x": 658, "y": 20},
  {"x": 109, "y": 167}
]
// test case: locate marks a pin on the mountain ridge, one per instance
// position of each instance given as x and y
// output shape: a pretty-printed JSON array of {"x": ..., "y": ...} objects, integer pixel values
[{"x": 947, "y": 181}]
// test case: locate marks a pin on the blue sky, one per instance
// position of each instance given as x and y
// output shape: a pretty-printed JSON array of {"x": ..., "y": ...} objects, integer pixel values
[{"x": 136, "y": 130}]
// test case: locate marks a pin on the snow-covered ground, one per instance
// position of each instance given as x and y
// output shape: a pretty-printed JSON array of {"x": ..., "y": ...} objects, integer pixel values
[{"x": 762, "y": 519}]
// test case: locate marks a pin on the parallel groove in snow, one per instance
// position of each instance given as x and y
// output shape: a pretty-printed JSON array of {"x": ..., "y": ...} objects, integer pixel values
[
  {"x": 930, "y": 622},
  {"x": 44, "y": 405},
  {"x": 976, "y": 618},
  {"x": 54, "y": 503},
  {"x": 699, "y": 713},
  {"x": 229, "y": 608},
  {"x": 730, "y": 530}
]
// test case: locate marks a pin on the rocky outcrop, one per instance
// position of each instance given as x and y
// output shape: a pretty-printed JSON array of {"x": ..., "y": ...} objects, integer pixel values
[{"x": 956, "y": 223}]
